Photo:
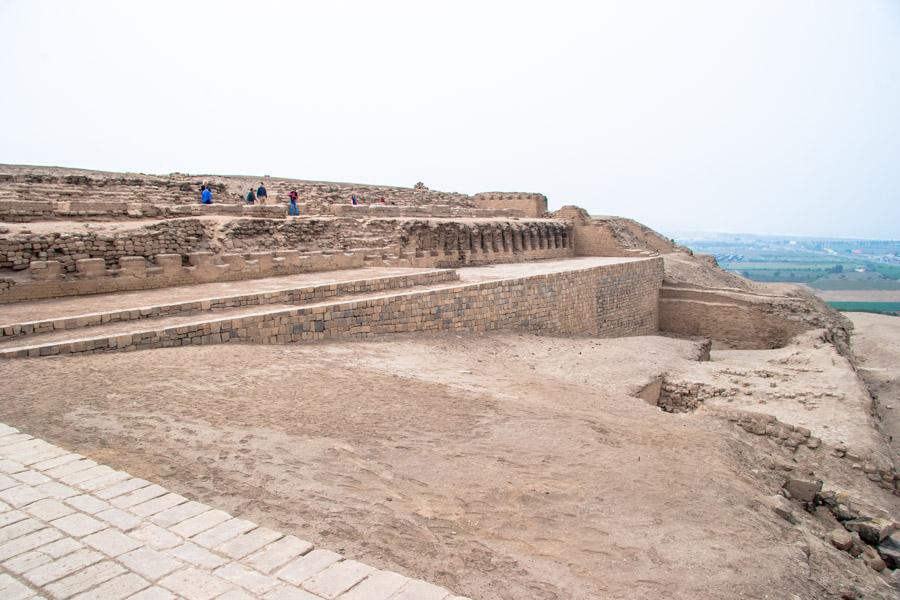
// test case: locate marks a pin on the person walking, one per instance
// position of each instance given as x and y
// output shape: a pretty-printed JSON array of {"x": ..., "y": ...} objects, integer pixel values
[
  {"x": 261, "y": 193},
  {"x": 206, "y": 195},
  {"x": 251, "y": 197},
  {"x": 293, "y": 209}
]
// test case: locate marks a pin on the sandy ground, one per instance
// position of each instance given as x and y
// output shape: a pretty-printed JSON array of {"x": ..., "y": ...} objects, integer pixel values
[
  {"x": 876, "y": 344},
  {"x": 806, "y": 383},
  {"x": 504, "y": 467}
]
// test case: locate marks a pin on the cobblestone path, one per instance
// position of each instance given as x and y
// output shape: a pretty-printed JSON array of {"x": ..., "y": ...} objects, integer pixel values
[{"x": 71, "y": 528}]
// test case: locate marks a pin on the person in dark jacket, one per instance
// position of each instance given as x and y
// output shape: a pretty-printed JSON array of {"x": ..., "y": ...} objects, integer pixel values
[
  {"x": 261, "y": 193},
  {"x": 293, "y": 209},
  {"x": 251, "y": 197}
]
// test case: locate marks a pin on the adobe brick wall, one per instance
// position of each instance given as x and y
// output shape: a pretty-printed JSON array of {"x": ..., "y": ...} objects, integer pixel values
[
  {"x": 530, "y": 205},
  {"x": 736, "y": 319},
  {"x": 606, "y": 301},
  {"x": 24, "y": 211},
  {"x": 303, "y": 294},
  {"x": 596, "y": 240},
  {"x": 439, "y": 246},
  {"x": 181, "y": 236}
]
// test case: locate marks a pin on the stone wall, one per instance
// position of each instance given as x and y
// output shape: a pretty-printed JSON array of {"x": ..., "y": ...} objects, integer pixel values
[
  {"x": 443, "y": 211},
  {"x": 475, "y": 238},
  {"x": 24, "y": 211},
  {"x": 413, "y": 245},
  {"x": 613, "y": 236},
  {"x": 734, "y": 319},
  {"x": 181, "y": 236},
  {"x": 135, "y": 273},
  {"x": 530, "y": 205},
  {"x": 186, "y": 236},
  {"x": 596, "y": 241},
  {"x": 606, "y": 301},
  {"x": 303, "y": 294}
]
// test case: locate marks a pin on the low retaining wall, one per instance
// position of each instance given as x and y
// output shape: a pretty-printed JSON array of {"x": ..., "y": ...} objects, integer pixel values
[
  {"x": 23, "y": 211},
  {"x": 428, "y": 210},
  {"x": 305, "y": 294},
  {"x": 736, "y": 319},
  {"x": 605, "y": 301}
]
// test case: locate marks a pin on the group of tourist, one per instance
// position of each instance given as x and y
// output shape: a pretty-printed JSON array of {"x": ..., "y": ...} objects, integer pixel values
[{"x": 261, "y": 195}]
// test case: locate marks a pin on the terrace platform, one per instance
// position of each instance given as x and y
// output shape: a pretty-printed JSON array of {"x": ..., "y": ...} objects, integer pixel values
[{"x": 350, "y": 303}]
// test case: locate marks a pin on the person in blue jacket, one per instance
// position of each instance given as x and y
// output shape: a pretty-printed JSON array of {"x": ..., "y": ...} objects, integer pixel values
[
  {"x": 261, "y": 194},
  {"x": 206, "y": 196}
]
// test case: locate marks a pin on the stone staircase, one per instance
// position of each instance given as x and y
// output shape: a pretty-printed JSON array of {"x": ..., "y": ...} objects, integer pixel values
[{"x": 65, "y": 326}]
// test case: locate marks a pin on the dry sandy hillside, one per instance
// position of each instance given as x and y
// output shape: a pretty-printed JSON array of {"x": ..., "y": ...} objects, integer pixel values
[
  {"x": 504, "y": 466},
  {"x": 876, "y": 345}
]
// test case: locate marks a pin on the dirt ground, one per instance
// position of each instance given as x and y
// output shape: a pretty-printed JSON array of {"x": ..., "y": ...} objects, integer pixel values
[
  {"x": 502, "y": 466},
  {"x": 876, "y": 344}
]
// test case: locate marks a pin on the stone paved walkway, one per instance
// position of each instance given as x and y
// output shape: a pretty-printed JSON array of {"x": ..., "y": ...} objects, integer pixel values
[{"x": 70, "y": 528}]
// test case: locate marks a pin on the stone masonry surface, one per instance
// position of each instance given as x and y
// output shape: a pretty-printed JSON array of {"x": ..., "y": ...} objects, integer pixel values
[
  {"x": 70, "y": 528},
  {"x": 288, "y": 295},
  {"x": 591, "y": 297},
  {"x": 188, "y": 251}
]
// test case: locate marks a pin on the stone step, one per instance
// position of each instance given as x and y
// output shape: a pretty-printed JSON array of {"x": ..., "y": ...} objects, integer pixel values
[
  {"x": 526, "y": 297},
  {"x": 17, "y": 333}
]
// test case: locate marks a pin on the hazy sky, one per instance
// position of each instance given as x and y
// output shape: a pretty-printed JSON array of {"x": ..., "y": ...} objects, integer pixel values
[{"x": 777, "y": 116}]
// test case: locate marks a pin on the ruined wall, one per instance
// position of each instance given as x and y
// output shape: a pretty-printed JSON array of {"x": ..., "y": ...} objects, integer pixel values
[
  {"x": 35, "y": 183},
  {"x": 186, "y": 236},
  {"x": 734, "y": 319},
  {"x": 606, "y": 301},
  {"x": 181, "y": 236},
  {"x": 596, "y": 241},
  {"x": 614, "y": 236},
  {"x": 530, "y": 205},
  {"x": 385, "y": 243},
  {"x": 24, "y": 211},
  {"x": 441, "y": 211},
  {"x": 166, "y": 270},
  {"x": 463, "y": 238}
]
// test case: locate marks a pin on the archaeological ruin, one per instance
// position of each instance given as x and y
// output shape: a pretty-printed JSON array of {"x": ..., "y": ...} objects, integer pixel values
[{"x": 114, "y": 483}]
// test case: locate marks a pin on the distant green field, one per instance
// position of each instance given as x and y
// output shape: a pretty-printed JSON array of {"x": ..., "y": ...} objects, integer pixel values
[
  {"x": 855, "y": 284},
  {"x": 773, "y": 266},
  {"x": 872, "y": 307},
  {"x": 780, "y": 275},
  {"x": 889, "y": 271}
]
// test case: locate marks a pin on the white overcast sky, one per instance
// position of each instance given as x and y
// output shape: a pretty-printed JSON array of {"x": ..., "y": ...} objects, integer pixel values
[{"x": 764, "y": 116}]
